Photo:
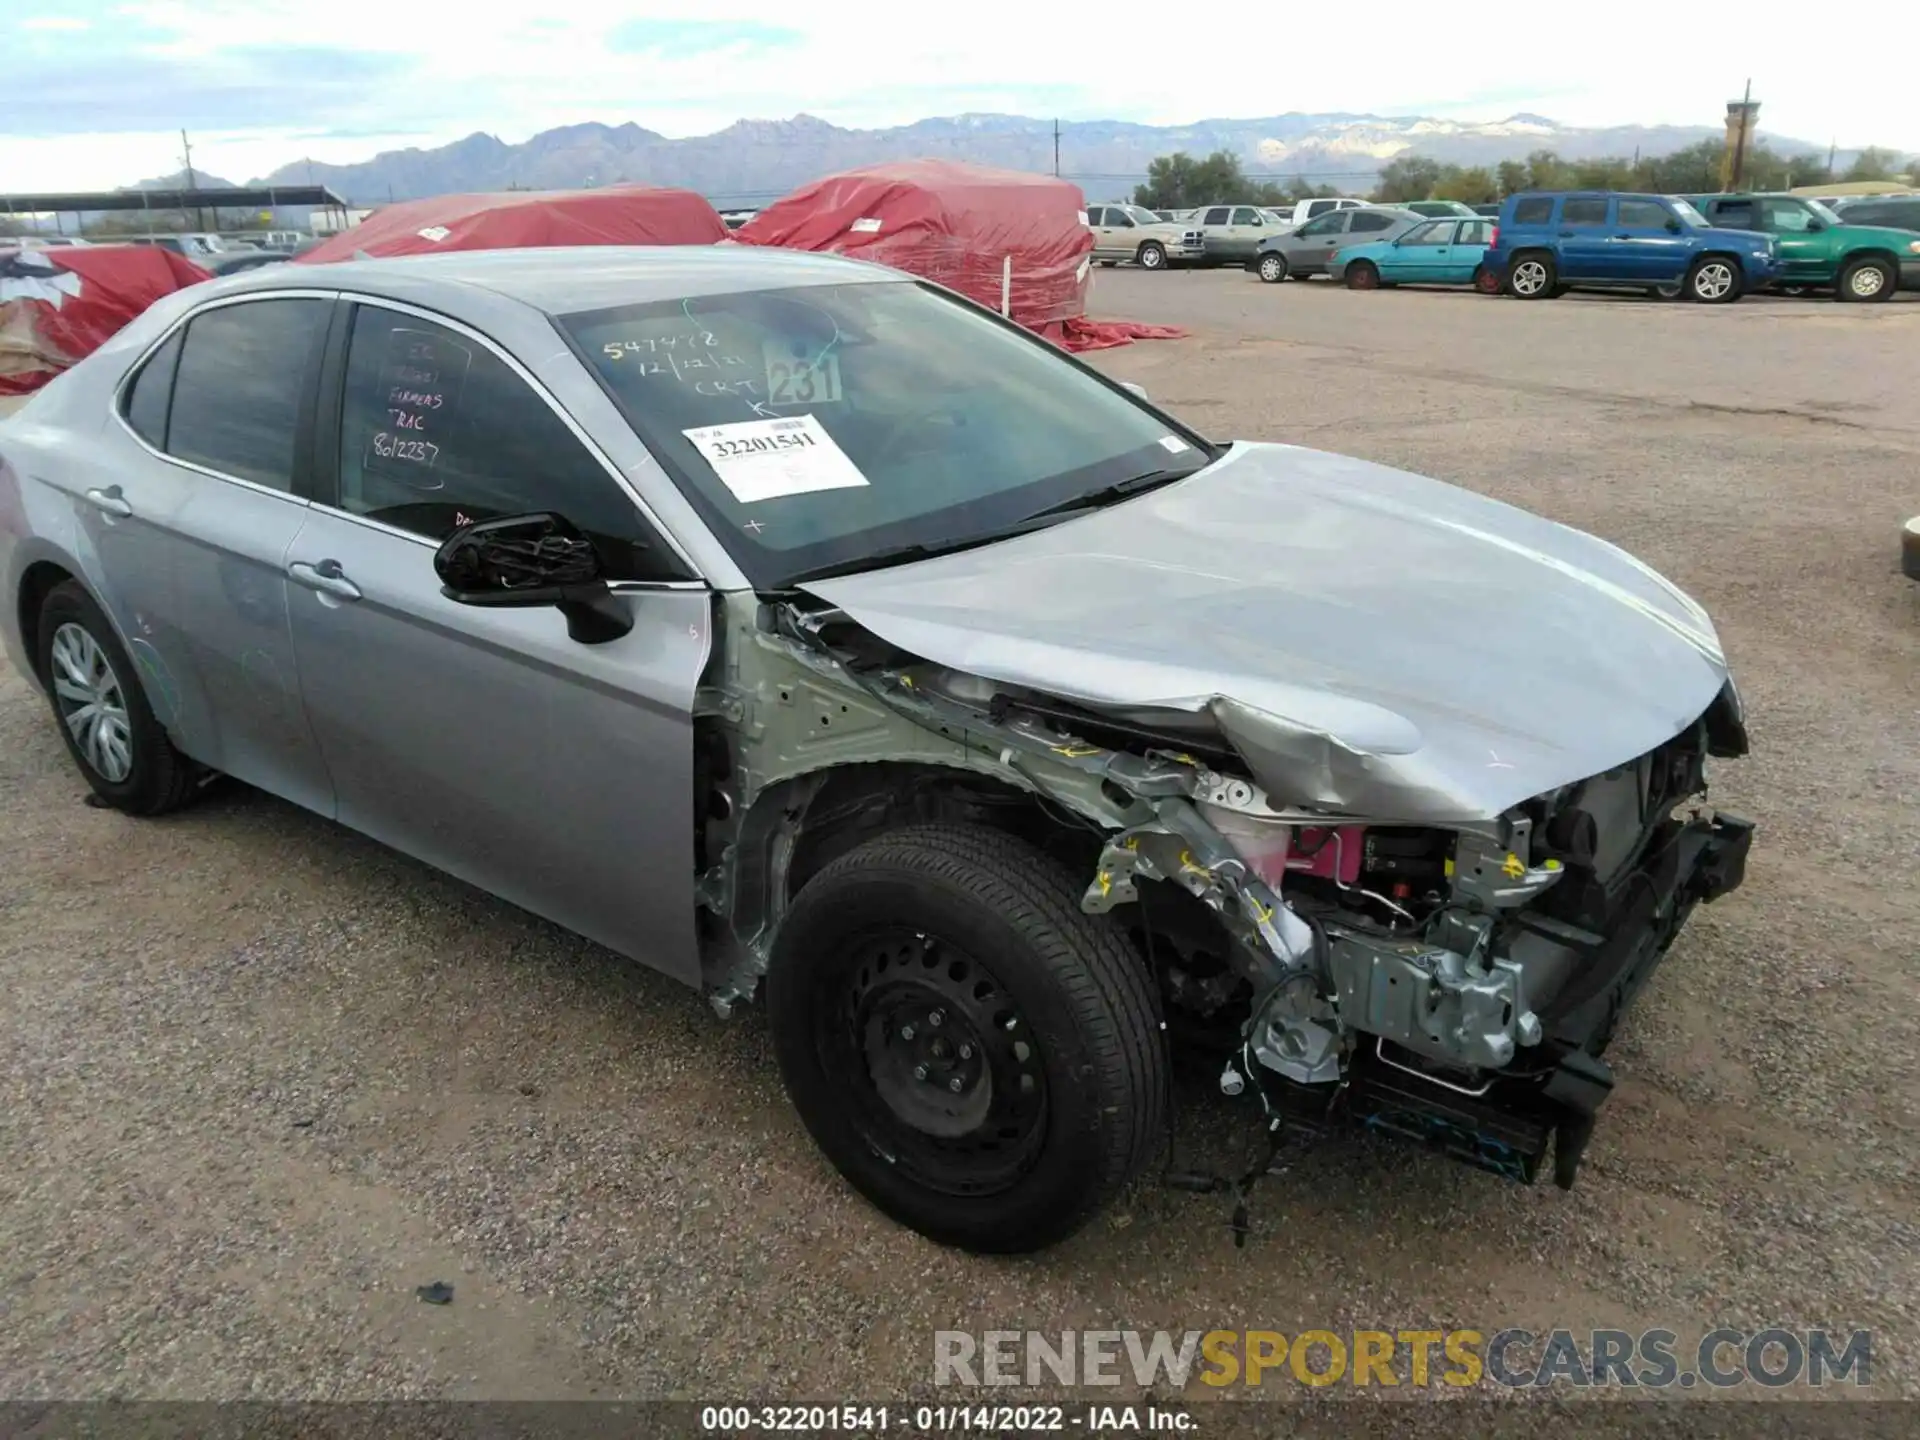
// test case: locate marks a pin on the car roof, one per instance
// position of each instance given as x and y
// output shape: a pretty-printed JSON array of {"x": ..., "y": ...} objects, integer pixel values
[{"x": 567, "y": 279}]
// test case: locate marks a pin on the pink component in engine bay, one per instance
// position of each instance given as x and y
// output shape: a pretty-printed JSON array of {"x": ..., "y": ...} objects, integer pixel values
[{"x": 1331, "y": 852}]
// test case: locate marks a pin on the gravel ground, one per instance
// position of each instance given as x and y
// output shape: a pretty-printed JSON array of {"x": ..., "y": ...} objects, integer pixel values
[{"x": 259, "y": 1079}]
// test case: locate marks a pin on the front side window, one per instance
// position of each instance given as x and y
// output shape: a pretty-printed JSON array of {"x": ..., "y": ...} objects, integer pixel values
[
  {"x": 1434, "y": 232},
  {"x": 1786, "y": 217},
  {"x": 1534, "y": 210},
  {"x": 437, "y": 432},
  {"x": 1585, "y": 210},
  {"x": 1243, "y": 215},
  {"x": 1643, "y": 215},
  {"x": 820, "y": 426},
  {"x": 1368, "y": 222},
  {"x": 1320, "y": 207},
  {"x": 1325, "y": 225},
  {"x": 1216, "y": 216},
  {"x": 243, "y": 372}
]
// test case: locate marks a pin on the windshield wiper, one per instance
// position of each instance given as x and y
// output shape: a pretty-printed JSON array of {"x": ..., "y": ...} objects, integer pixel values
[
  {"x": 1109, "y": 494},
  {"x": 890, "y": 555}
]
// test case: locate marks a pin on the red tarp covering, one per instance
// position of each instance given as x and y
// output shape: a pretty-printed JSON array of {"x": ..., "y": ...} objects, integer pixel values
[
  {"x": 59, "y": 306},
  {"x": 954, "y": 224},
  {"x": 520, "y": 219}
]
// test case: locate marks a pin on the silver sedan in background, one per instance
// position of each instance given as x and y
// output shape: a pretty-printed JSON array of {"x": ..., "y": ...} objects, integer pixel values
[{"x": 805, "y": 631}]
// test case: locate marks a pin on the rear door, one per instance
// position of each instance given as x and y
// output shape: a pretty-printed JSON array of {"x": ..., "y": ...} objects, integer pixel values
[
  {"x": 1583, "y": 238},
  {"x": 1212, "y": 224},
  {"x": 1469, "y": 249},
  {"x": 199, "y": 525},
  {"x": 484, "y": 741},
  {"x": 1105, "y": 221},
  {"x": 1648, "y": 241}
]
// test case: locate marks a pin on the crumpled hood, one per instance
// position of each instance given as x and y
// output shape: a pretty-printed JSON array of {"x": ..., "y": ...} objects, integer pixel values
[{"x": 1371, "y": 641}]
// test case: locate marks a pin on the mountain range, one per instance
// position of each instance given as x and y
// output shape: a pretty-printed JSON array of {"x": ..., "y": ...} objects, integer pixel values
[{"x": 753, "y": 161}]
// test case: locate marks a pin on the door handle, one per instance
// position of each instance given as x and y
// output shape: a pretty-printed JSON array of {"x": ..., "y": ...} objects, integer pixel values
[
  {"x": 111, "y": 501},
  {"x": 1566, "y": 234},
  {"x": 326, "y": 577}
]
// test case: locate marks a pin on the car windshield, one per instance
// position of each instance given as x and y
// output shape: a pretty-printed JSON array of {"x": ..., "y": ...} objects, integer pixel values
[
  {"x": 1141, "y": 216},
  {"x": 836, "y": 425},
  {"x": 1824, "y": 212},
  {"x": 1686, "y": 212},
  {"x": 1273, "y": 217}
]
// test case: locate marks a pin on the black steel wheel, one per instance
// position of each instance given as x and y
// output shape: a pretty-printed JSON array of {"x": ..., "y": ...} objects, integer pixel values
[{"x": 975, "y": 1054}]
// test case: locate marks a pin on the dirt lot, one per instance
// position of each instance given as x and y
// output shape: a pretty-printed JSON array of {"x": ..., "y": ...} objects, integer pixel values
[{"x": 259, "y": 1079}]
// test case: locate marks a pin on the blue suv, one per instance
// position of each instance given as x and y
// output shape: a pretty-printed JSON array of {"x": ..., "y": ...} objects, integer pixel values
[{"x": 1546, "y": 243}]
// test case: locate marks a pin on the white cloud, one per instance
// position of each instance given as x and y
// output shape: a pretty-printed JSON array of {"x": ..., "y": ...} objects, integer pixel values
[
  {"x": 54, "y": 23},
  {"x": 855, "y": 62}
]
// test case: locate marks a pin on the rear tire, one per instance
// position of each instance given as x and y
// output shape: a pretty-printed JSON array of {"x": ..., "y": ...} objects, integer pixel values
[
  {"x": 1152, "y": 255},
  {"x": 1533, "y": 276},
  {"x": 1272, "y": 267},
  {"x": 1866, "y": 280},
  {"x": 1486, "y": 281},
  {"x": 1714, "y": 280},
  {"x": 975, "y": 1054},
  {"x": 1363, "y": 275},
  {"x": 109, "y": 728}
]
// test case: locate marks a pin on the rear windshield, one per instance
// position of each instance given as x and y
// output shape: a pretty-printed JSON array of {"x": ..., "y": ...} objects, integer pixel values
[{"x": 819, "y": 425}]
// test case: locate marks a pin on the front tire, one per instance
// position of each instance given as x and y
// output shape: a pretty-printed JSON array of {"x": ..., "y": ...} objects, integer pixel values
[
  {"x": 1272, "y": 268},
  {"x": 1866, "y": 280},
  {"x": 109, "y": 728},
  {"x": 1532, "y": 276},
  {"x": 1152, "y": 256},
  {"x": 1714, "y": 280},
  {"x": 976, "y": 1055}
]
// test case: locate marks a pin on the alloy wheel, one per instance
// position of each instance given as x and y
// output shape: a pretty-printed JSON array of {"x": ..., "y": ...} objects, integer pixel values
[
  {"x": 1866, "y": 282},
  {"x": 1713, "y": 280},
  {"x": 92, "y": 703},
  {"x": 1529, "y": 278}
]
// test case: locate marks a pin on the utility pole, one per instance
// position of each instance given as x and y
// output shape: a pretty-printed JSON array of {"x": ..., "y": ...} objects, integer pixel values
[
  {"x": 1832, "y": 145},
  {"x": 1746, "y": 129},
  {"x": 1056, "y": 148},
  {"x": 186, "y": 159}
]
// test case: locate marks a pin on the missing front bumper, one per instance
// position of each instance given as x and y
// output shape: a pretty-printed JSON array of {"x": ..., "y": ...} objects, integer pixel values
[{"x": 1508, "y": 1124}]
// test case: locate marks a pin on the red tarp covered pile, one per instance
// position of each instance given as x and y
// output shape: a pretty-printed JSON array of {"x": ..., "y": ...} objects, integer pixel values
[
  {"x": 59, "y": 306},
  {"x": 993, "y": 235},
  {"x": 521, "y": 219}
]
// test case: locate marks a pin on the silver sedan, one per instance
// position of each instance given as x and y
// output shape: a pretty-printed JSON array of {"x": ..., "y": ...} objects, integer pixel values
[{"x": 805, "y": 631}]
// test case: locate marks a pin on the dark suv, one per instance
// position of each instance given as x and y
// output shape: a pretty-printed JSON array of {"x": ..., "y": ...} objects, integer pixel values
[{"x": 1548, "y": 243}]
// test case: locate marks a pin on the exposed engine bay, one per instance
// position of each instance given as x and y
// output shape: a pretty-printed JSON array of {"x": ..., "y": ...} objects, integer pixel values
[{"x": 1455, "y": 984}]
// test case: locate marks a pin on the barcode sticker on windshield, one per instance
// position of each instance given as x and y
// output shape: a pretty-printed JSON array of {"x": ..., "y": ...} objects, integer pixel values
[{"x": 765, "y": 459}]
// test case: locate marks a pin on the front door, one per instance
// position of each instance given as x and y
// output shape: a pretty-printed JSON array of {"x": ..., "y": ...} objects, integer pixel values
[
  {"x": 1648, "y": 242},
  {"x": 203, "y": 515},
  {"x": 486, "y": 742},
  {"x": 1310, "y": 247},
  {"x": 1584, "y": 239},
  {"x": 1419, "y": 255},
  {"x": 1806, "y": 254}
]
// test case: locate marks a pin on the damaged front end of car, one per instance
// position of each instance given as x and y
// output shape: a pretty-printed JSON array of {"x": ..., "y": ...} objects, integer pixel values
[{"x": 1454, "y": 982}]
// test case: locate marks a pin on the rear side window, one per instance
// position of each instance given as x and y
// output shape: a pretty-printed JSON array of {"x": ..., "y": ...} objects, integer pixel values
[
  {"x": 1535, "y": 210},
  {"x": 243, "y": 372},
  {"x": 152, "y": 389},
  {"x": 1364, "y": 222},
  {"x": 1645, "y": 215},
  {"x": 1588, "y": 210},
  {"x": 1476, "y": 232}
]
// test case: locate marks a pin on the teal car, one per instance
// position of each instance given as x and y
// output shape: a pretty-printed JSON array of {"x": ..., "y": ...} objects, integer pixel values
[{"x": 1435, "y": 252}]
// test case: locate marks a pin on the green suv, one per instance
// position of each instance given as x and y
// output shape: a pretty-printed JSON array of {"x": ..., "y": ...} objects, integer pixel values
[{"x": 1819, "y": 250}]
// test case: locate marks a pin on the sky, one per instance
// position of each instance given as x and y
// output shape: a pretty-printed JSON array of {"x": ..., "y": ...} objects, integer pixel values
[{"x": 96, "y": 91}]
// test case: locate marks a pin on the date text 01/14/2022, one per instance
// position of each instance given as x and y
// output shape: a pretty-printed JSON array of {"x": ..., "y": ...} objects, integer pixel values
[{"x": 945, "y": 1419}]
